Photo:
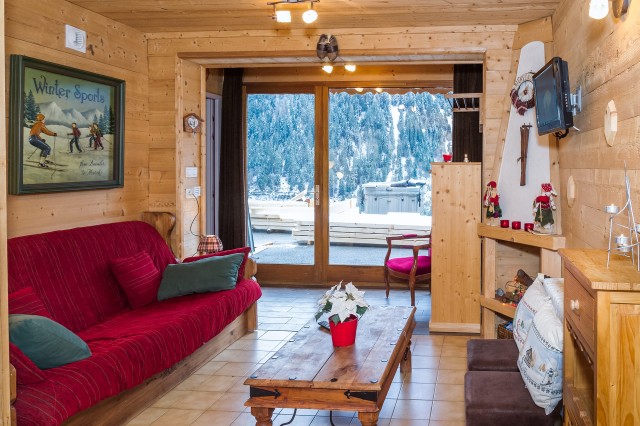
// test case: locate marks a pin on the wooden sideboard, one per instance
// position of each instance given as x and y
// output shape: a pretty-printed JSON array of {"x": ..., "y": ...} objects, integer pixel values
[
  {"x": 601, "y": 339},
  {"x": 455, "y": 266}
]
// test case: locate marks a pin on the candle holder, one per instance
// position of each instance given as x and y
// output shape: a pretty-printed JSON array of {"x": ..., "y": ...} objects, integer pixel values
[
  {"x": 504, "y": 223},
  {"x": 528, "y": 227},
  {"x": 627, "y": 242},
  {"x": 516, "y": 225}
]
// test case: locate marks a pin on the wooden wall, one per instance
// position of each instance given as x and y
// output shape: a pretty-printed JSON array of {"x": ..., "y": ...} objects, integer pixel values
[
  {"x": 117, "y": 51},
  {"x": 604, "y": 59}
]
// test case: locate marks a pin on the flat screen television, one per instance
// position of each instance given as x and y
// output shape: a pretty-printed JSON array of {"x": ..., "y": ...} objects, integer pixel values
[{"x": 553, "y": 98}]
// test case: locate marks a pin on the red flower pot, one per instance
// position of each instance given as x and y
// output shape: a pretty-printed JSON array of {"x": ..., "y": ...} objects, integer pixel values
[{"x": 344, "y": 333}]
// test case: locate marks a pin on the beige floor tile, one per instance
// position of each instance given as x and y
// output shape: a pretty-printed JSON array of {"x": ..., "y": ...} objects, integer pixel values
[
  {"x": 324, "y": 421},
  {"x": 408, "y": 422},
  {"x": 446, "y": 410},
  {"x": 276, "y": 335},
  {"x": 231, "y": 355},
  {"x": 218, "y": 383},
  {"x": 236, "y": 369},
  {"x": 394, "y": 390},
  {"x": 446, "y": 392},
  {"x": 446, "y": 423},
  {"x": 381, "y": 422},
  {"x": 176, "y": 417},
  {"x": 418, "y": 361},
  {"x": 298, "y": 421},
  {"x": 421, "y": 375},
  {"x": 424, "y": 349},
  {"x": 193, "y": 382},
  {"x": 198, "y": 400},
  {"x": 255, "y": 345},
  {"x": 210, "y": 367},
  {"x": 431, "y": 339},
  {"x": 240, "y": 387},
  {"x": 422, "y": 391},
  {"x": 457, "y": 340},
  {"x": 171, "y": 398},
  {"x": 147, "y": 417},
  {"x": 301, "y": 412},
  {"x": 451, "y": 377},
  {"x": 413, "y": 409},
  {"x": 387, "y": 408},
  {"x": 453, "y": 363},
  {"x": 275, "y": 319},
  {"x": 244, "y": 419},
  {"x": 230, "y": 401},
  {"x": 253, "y": 335},
  {"x": 457, "y": 351},
  {"x": 217, "y": 418}
]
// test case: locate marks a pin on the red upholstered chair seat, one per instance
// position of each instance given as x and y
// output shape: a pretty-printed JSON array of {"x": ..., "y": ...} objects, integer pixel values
[{"x": 404, "y": 265}]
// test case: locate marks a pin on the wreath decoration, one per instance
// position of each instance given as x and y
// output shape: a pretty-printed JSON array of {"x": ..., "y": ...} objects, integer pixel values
[{"x": 522, "y": 93}]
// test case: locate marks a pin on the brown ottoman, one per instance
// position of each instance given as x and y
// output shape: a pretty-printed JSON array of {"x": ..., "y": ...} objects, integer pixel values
[
  {"x": 497, "y": 398},
  {"x": 492, "y": 355}
]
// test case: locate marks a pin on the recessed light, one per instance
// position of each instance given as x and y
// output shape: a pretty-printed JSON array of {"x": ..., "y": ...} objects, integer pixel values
[{"x": 350, "y": 67}]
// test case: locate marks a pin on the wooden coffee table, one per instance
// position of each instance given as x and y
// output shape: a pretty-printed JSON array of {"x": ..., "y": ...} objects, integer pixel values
[{"x": 308, "y": 372}]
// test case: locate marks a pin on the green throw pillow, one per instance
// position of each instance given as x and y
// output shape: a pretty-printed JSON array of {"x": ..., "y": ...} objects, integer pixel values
[
  {"x": 47, "y": 343},
  {"x": 202, "y": 276}
]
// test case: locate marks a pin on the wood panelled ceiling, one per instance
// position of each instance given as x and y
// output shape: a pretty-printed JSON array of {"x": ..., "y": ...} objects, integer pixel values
[{"x": 220, "y": 15}]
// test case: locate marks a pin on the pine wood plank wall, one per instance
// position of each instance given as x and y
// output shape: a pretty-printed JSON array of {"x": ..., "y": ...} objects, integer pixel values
[
  {"x": 118, "y": 51},
  {"x": 604, "y": 58},
  {"x": 170, "y": 76}
]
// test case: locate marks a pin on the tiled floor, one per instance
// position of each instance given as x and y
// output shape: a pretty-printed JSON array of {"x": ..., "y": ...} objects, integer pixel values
[{"x": 432, "y": 394}]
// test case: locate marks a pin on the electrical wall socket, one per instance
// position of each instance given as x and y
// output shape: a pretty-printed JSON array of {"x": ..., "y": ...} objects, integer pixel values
[
  {"x": 193, "y": 192},
  {"x": 191, "y": 172}
]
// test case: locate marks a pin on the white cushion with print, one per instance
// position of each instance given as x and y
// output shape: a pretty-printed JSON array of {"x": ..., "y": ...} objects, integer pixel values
[
  {"x": 555, "y": 290},
  {"x": 540, "y": 361},
  {"x": 531, "y": 302}
]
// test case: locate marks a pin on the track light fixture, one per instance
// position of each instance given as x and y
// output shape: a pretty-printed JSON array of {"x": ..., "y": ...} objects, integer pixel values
[
  {"x": 308, "y": 17},
  {"x": 598, "y": 9}
]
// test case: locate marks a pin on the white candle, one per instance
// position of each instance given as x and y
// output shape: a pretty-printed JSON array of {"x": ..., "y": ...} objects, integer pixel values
[
  {"x": 613, "y": 209},
  {"x": 622, "y": 241}
]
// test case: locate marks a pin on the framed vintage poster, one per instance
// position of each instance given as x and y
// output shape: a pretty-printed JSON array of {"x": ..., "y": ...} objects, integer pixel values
[{"x": 66, "y": 128}]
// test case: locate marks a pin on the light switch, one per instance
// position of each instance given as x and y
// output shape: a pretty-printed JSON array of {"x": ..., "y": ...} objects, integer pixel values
[{"x": 191, "y": 172}]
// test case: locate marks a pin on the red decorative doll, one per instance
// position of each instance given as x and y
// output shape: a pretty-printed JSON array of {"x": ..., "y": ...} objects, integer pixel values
[
  {"x": 543, "y": 207},
  {"x": 492, "y": 202}
]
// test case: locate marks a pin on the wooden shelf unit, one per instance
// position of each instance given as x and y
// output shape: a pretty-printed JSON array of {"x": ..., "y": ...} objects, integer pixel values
[
  {"x": 601, "y": 339},
  {"x": 504, "y": 252},
  {"x": 455, "y": 265}
]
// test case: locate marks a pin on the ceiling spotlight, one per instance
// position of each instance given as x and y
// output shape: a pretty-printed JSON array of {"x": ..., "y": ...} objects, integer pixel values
[
  {"x": 310, "y": 15},
  {"x": 359, "y": 89},
  {"x": 350, "y": 67},
  {"x": 598, "y": 9},
  {"x": 328, "y": 69},
  {"x": 282, "y": 15},
  {"x": 378, "y": 89}
]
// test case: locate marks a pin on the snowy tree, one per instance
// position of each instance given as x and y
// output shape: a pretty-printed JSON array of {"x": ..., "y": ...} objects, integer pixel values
[{"x": 31, "y": 109}]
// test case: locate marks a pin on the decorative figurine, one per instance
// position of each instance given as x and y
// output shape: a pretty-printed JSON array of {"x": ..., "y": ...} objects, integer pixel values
[
  {"x": 543, "y": 207},
  {"x": 492, "y": 202}
]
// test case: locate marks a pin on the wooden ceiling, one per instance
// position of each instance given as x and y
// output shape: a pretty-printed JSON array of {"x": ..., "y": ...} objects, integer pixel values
[{"x": 222, "y": 15}]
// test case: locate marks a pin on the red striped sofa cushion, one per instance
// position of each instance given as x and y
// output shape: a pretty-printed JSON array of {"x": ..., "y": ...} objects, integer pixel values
[
  {"x": 138, "y": 277},
  {"x": 26, "y": 301}
]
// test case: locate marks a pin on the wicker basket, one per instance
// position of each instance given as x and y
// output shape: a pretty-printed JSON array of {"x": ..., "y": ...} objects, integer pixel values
[{"x": 504, "y": 333}]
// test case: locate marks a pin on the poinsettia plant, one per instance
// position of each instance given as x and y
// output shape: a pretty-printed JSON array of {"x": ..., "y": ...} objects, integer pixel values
[{"x": 342, "y": 305}]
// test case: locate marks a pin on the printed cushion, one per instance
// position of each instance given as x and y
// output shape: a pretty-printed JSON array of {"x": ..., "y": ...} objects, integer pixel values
[
  {"x": 555, "y": 290},
  {"x": 47, "y": 343},
  {"x": 138, "y": 277},
  {"x": 404, "y": 265},
  {"x": 202, "y": 276},
  {"x": 244, "y": 250},
  {"x": 26, "y": 301},
  {"x": 27, "y": 373},
  {"x": 540, "y": 361},
  {"x": 531, "y": 302}
]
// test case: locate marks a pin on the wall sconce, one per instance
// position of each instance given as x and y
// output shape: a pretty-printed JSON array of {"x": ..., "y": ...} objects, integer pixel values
[
  {"x": 285, "y": 15},
  {"x": 599, "y": 9}
]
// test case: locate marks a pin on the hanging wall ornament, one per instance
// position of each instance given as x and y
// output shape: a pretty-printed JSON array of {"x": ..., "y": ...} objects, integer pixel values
[{"x": 522, "y": 93}]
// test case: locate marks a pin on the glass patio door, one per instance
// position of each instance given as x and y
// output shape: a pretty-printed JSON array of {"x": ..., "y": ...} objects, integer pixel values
[{"x": 281, "y": 181}]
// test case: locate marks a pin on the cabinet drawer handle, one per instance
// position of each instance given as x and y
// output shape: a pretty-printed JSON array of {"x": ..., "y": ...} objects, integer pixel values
[{"x": 575, "y": 305}]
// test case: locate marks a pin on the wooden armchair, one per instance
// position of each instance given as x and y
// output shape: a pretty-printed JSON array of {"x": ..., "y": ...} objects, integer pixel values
[{"x": 414, "y": 269}]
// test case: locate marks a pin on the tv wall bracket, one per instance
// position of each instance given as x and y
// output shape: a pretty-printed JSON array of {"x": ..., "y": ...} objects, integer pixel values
[{"x": 576, "y": 101}]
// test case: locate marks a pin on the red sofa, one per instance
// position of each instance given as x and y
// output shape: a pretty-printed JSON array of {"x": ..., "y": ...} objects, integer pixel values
[{"x": 70, "y": 271}]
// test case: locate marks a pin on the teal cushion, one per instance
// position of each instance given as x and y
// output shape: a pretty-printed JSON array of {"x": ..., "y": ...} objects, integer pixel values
[
  {"x": 47, "y": 343},
  {"x": 202, "y": 276}
]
